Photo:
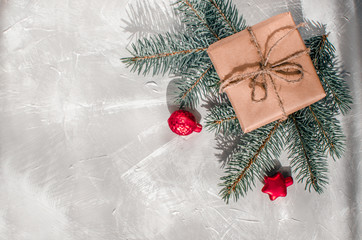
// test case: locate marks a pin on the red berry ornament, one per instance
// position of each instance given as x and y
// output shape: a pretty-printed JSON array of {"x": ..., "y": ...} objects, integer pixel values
[
  {"x": 276, "y": 186},
  {"x": 183, "y": 123}
]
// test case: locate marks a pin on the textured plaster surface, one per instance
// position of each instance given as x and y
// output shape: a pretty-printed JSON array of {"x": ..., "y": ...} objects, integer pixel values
[{"x": 86, "y": 153}]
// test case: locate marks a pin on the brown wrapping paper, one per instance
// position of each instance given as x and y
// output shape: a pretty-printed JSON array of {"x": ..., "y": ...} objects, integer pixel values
[{"x": 237, "y": 54}]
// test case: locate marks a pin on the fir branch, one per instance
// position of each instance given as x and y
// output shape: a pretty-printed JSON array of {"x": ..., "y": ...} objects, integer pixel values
[
  {"x": 198, "y": 80},
  {"x": 220, "y": 122},
  {"x": 228, "y": 13},
  {"x": 222, "y": 119},
  {"x": 308, "y": 162},
  {"x": 329, "y": 143},
  {"x": 223, "y": 15},
  {"x": 252, "y": 160},
  {"x": 330, "y": 136},
  {"x": 257, "y": 148},
  {"x": 324, "y": 60},
  {"x": 193, "y": 15},
  {"x": 323, "y": 50},
  {"x": 168, "y": 53},
  {"x": 184, "y": 95},
  {"x": 193, "y": 85},
  {"x": 218, "y": 17},
  {"x": 161, "y": 55}
]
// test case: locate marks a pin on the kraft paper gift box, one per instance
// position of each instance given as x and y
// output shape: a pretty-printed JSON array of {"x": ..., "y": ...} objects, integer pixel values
[{"x": 259, "y": 98}]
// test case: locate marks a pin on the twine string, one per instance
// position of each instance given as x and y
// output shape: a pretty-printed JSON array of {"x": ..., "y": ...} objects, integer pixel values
[{"x": 268, "y": 70}]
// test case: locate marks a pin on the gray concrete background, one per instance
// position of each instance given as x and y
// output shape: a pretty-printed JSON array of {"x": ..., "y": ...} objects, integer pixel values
[{"x": 86, "y": 153}]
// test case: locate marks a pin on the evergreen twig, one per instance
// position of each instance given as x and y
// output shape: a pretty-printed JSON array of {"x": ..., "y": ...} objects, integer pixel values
[
  {"x": 257, "y": 148},
  {"x": 192, "y": 86},
  {"x": 324, "y": 60},
  {"x": 224, "y": 18},
  {"x": 221, "y": 12},
  {"x": 330, "y": 136},
  {"x": 222, "y": 119},
  {"x": 309, "y": 163},
  {"x": 193, "y": 16},
  {"x": 164, "y": 53}
]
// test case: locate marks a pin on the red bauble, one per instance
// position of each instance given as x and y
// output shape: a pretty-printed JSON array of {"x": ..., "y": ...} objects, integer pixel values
[
  {"x": 183, "y": 123},
  {"x": 276, "y": 186}
]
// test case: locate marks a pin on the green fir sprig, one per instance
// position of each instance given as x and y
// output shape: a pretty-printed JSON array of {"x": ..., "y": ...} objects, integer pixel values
[
  {"x": 329, "y": 72},
  {"x": 222, "y": 119},
  {"x": 164, "y": 53},
  {"x": 257, "y": 149}
]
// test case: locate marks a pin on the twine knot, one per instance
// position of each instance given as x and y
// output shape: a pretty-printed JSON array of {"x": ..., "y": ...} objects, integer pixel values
[{"x": 280, "y": 70}]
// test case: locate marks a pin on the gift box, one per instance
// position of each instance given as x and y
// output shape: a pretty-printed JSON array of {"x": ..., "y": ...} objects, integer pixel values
[{"x": 266, "y": 72}]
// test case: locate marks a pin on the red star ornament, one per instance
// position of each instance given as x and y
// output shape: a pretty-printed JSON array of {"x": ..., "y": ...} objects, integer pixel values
[{"x": 276, "y": 186}]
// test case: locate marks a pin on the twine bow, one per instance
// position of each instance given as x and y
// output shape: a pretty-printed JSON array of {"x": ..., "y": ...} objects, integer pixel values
[{"x": 284, "y": 66}]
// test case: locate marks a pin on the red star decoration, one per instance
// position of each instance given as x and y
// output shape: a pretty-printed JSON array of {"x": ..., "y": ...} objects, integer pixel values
[{"x": 276, "y": 186}]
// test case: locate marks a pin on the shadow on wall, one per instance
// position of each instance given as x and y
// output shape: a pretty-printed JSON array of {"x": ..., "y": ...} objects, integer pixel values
[
  {"x": 351, "y": 33},
  {"x": 147, "y": 18}
]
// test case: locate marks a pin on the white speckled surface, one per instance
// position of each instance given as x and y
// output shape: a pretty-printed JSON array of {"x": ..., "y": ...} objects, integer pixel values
[{"x": 86, "y": 153}]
